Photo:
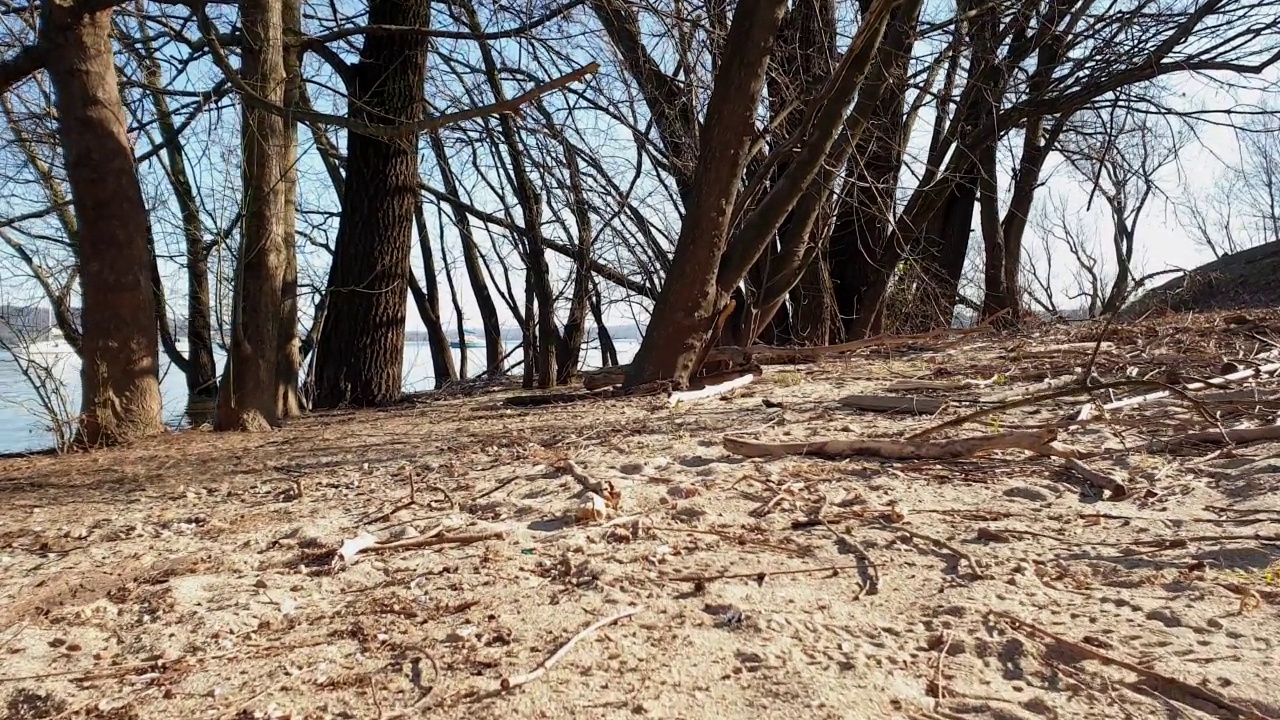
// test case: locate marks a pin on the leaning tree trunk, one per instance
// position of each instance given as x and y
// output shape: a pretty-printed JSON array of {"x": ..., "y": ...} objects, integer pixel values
[
  {"x": 685, "y": 316},
  {"x": 249, "y": 394},
  {"x": 361, "y": 352},
  {"x": 120, "y": 390},
  {"x": 474, "y": 264},
  {"x": 864, "y": 223}
]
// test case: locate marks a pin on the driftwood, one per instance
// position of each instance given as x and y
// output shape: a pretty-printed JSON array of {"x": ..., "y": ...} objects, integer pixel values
[
  {"x": 729, "y": 385},
  {"x": 515, "y": 681},
  {"x": 900, "y": 404},
  {"x": 1064, "y": 348},
  {"x": 1040, "y": 442}
]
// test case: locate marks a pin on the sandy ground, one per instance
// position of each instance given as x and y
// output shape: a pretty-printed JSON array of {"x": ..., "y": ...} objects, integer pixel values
[{"x": 200, "y": 576}]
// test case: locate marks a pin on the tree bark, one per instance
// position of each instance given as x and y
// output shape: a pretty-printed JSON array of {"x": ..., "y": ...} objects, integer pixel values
[
  {"x": 288, "y": 346},
  {"x": 120, "y": 396},
  {"x": 864, "y": 223},
  {"x": 361, "y": 352},
  {"x": 249, "y": 394},
  {"x": 690, "y": 303}
]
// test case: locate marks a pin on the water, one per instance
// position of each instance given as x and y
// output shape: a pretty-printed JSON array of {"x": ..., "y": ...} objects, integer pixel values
[{"x": 25, "y": 427}]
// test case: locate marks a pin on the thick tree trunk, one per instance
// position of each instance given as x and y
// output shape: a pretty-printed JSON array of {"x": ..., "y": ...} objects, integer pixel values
[
  {"x": 361, "y": 353},
  {"x": 249, "y": 394},
  {"x": 691, "y": 303},
  {"x": 120, "y": 391},
  {"x": 938, "y": 270}
]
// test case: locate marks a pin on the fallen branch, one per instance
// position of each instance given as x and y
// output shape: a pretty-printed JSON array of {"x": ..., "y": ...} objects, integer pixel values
[
  {"x": 1041, "y": 442},
  {"x": 758, "y": 574},
  {"x": 1237, "y": 436},
  {"x": 1097, "y": 479},
  {"x": 731, "y": 356},
  {"x": 1159, "y": 680},
  {"x": 514, "y": 681},
  {"x": 1064, "y": 392},
  {"x": 429, "y": 541},
  {"x": 1086, "y": 411},
  {"x": 709, "y": 391}
]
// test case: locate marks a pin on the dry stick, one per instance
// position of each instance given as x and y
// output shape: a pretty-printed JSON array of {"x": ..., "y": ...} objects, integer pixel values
[
  {"x": 514, "y": 681},
  {"x": 757, "y": 574},
  {"x": 962, "y": 555},
  {"x": 1217, "y": 437},
  {"x": 1098, "y": 479},
  {"x": 870, "y": 574},
  {"x": 1220, "y": 381},
  {"x": 711, "y": 390},
  {"x": 1040, "y": 442},
  {"x": 428, "y": 541},
  {"x": 1183, "y": 687},
  {"x": 1066, "y": 392}
]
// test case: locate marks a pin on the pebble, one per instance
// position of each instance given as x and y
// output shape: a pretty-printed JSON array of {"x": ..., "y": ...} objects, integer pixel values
[{"x": 1029, "y": 492}]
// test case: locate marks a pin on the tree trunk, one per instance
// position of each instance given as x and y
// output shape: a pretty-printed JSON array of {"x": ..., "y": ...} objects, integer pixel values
[
  {"x": 943, "y": 250},
  {"x": 569, "y": 347},
  {"x": 198, "y": 364},
  {"x": 249, "y": 394},
  {"x": 288, "y": 346},
  {"x": 537, "y": 272},
  {"x": 361, "y": 353},
  {"x": 864, "y": 222},
  {"x": 120, "y": 390},
  {"x": 427, "y": 297},
  {"x": 474, "y": 264},
  {"x": 687, "y": 309},
  {"x": 608, "y": 351}
]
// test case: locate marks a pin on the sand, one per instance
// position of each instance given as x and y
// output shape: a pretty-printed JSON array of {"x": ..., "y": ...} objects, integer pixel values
[{"x": 200, "y": 575}]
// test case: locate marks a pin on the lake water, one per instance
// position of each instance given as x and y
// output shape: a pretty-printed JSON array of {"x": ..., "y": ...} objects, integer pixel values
[{"x": 25, "y": 427}]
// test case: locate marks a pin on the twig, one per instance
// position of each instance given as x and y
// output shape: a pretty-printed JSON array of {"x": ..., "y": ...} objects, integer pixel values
[
  {"x": 1218, "y": 382},
  {"x": 1098, "y": 479},
  {"x": 428, "y": 541},
  {"x": 1041, "y": 442},
  {"x": 868, "y": 573},
  {"x": 1159, "y": 679},
  {"x": 937, "y": 668},
  {"x": 1065, "y": 392},
  {"x": 757, "y": 574},
  {"x": 962, "y": 555},
  {"x": 514, "y": 681}
]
